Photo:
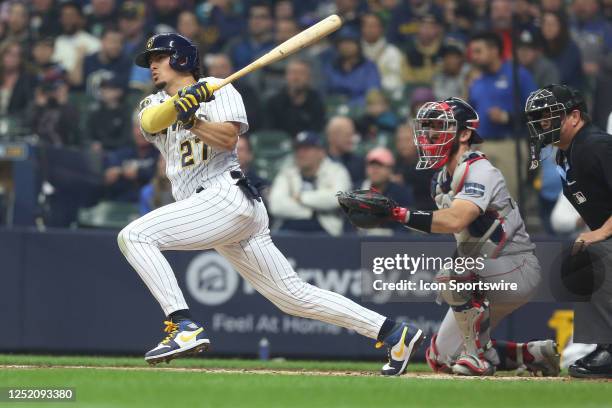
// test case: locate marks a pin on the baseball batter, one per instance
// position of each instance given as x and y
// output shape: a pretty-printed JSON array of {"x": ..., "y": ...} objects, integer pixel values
[
  {"x": 475, "y": 205},
  {"x": 217, "y": 208}
]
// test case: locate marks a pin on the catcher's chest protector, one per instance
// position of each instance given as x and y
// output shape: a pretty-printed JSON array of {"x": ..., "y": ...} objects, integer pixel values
[{"x": 486, "y": 234}]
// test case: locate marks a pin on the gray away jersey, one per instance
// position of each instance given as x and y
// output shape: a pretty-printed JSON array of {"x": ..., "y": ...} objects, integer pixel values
[
  {"x": 485, "y": 186},
  {"x": 189, "y": 161}
]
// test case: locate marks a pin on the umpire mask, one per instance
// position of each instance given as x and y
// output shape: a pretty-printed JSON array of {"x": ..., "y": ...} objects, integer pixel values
[{"x": 546, "y": 109}]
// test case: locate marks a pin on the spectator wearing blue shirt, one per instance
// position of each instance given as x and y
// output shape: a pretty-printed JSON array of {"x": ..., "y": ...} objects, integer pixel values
[
  {"x": 128, "y": 169},
  {"x": 259, "y": 38},
  {"x": 593, "y": 34},
  {"x": 350, "y": 74},
  {"x": 550, "y": 186},
  {"x": 158, "y": 192},
  {"x": 561, "y": 49},
  {"x": 492, "y": 95}
]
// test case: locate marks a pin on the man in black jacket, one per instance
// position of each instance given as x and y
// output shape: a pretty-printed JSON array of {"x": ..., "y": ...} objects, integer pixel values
[
  {"x": 557, "y": 115},
  {"x": 297, "y": 107}
]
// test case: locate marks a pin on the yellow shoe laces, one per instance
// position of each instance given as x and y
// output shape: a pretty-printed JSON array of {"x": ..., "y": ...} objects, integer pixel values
[{"x": 171, "y": 328}]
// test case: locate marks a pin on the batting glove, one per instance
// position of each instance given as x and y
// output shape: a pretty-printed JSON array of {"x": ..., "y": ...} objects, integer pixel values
[
  {"x": 186, "y": 107},
  {"x": 202, "y": 91}
]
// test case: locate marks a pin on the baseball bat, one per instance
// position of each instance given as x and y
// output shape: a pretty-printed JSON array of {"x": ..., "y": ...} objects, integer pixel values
[{"x": 299, "y": 41}]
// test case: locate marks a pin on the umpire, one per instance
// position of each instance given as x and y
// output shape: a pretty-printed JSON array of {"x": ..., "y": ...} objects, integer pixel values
[{"x": 557, "y": 115}]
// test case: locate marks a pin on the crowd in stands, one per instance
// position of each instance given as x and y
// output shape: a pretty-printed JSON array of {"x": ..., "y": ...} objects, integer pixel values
[{"x": 67, "y": 79}]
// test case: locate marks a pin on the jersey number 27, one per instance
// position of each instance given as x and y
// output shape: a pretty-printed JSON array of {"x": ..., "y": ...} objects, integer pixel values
[{"x": 189, "y": 147}]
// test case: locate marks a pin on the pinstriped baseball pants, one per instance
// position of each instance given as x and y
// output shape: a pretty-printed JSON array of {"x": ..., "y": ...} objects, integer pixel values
[{"x": 223, "y": 218}]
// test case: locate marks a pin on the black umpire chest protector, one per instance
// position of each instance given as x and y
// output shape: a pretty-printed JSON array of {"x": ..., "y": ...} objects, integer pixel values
[{"x": 586, "y": 174}]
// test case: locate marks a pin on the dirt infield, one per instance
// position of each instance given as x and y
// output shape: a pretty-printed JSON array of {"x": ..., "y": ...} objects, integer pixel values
[{"x": 409, "y": 375}]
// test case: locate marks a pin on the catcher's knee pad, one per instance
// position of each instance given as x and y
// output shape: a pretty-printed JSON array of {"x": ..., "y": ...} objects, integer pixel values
[
  {"x": 434, "y": 359},
  {"x": 447, "y": 293}
]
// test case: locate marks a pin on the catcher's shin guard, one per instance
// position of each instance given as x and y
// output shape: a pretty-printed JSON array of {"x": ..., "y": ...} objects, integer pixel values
[{"x": 478, "y": 356}]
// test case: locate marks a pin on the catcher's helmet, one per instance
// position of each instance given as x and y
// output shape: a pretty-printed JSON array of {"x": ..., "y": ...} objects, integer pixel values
[
  {"x": 545, "y": 110},
  {"x": 183, "y": 53},
  {"x": 435, "y": 129}
]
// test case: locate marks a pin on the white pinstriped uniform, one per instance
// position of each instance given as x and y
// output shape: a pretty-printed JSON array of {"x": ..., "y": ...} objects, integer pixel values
[{"x": 223, "y": 218}]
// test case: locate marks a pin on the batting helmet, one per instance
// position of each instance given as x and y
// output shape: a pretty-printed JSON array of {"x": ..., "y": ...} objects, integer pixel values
[{"x": 183, "y": 53}]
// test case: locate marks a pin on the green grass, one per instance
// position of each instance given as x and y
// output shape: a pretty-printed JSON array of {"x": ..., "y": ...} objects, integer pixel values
[
  {"x": 17, "y": 359},
  {"x": 155, "y": 388}
]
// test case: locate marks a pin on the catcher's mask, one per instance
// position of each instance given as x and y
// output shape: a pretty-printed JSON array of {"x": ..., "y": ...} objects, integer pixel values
[
  {"x": 435, "y": 130},
  {"x": 546, "y": 109}
]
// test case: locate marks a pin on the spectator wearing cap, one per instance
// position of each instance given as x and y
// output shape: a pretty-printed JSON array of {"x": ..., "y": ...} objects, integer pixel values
[
  {"x": 423, "y": 50},
  {"x": 349, "y": 74},
  {"x": 405, "y": 172},
  {"x": 561, "y": 49},
  {"x": 379, "y": 174},
  {"x": 492, "y": 95},
  {"x": 52, "y": 117},
  {"x": 388, "y": 58},
  {"x": 109, "y": 61},
  {"x": 341, "y": 136},
  {"x": 530, "y": 55},
  {"x": 462, "y": 22},
  {"x": 220, "y": 66},
  {"x": 221, "y": 23},
  {"x": 297, "y": 106},
  {"x": 16, "y": 85},
  {"x": 108, "y": 121},
  {"x": 44, "y": 19},
  {"x": 406, "y": 19},
  {"x": 74, "y": 42},
  {"x": 450, "y": 80},
  {"x": 378, "y": 122},
  {"x": 593, "y": 34},
  {"x": 132, "y": 24},
  {"x": 101, "y": 13},
  {"x": 259, "y": 37},
  {"x": 18, "y": 25},
  {"x": 303, "y": 194}
]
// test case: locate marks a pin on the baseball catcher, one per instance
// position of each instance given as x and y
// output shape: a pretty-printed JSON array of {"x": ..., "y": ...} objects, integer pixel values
[{"x": 473, "y": 204}]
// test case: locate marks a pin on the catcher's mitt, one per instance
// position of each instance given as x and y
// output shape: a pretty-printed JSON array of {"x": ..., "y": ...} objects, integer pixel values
[{"x": 366, "y": 208}]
